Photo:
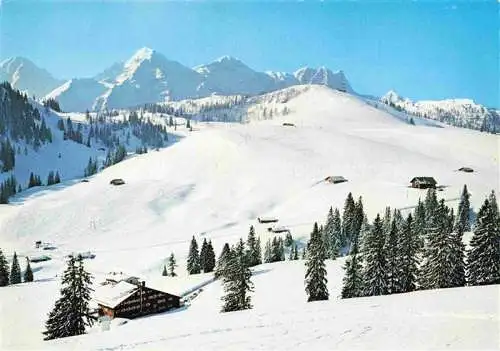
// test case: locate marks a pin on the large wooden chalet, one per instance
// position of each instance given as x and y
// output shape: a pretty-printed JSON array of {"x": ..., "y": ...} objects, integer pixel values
[
  {"x": 127, "y": 300},
  {"x": 423, "y": 182}
]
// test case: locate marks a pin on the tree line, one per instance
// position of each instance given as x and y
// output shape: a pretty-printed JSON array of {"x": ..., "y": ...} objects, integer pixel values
[{"x": 14, "y": 275}]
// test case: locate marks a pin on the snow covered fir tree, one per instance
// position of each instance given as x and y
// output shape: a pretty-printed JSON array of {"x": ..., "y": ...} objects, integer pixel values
[
  {"x": 483, "y": 257},
  {"x": 236, "y": 280},
  {"x": 71, "y": 313},
  {"x": 193, "y": 260},
  {"x": 316, "y": 275}
]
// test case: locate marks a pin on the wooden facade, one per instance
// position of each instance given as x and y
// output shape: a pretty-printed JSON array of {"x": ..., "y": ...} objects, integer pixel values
[{"x": 144, "y": 301}]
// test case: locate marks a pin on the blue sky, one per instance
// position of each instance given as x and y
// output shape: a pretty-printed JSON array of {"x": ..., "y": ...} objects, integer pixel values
[{"x": 423, "y": 50}]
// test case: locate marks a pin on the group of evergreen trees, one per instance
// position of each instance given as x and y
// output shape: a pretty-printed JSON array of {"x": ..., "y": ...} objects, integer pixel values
[
  {"x": 425, "y": 250},
  {"x": 7, "y": 156},
  {"x": 52, "y": 104},
  {"x": 53, "y": 178},
  {"x": 71, "y": 312},
  {"x": 203, "y": 260},
  {"x": 7, "y": 189},
  {"x": 19, "y": 120},
  {"x": 91, "y": 168},
  {"x": 69, "y": 131},
  {"x": 115, "y": 156},
  {"x": 34, "y": 180},
  {"x": 14, "y": 276}
]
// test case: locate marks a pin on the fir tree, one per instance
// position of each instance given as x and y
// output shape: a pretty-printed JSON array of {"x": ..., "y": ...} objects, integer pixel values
[
  {"x": 437, "y": 269},
  {"x": 295, "y": 256},
  {"x": 316, "y": 276},
  {"x": 359, "y": 216},
  {"x": 483, "y": 257},
  {"x": 348, "y": 218},
  {"x": 457, "y": 253},
  {"x": 353, "y": 279},
  {"x": 328, "y": 232},
  {"x": 28, "y": 273},
  {"x": 4, "y": 270},
  {"x": 267, "y": 252},
  {"x": 71, "y": 313},
  {"x": 203, "y": 254},
  {"x": 209, "y": 258},
  {"x": 336, "y": 233},
  {"x": 408, "y": 248},
  {"x": 193, "y": 261},
  {"x": 258, "y": 250},
  {"x": 15, "y": 271},
  {"x": 221, "y": 262},
  {"x": 236, "y": 281},
  {"x": 164, "y": 273},
  {"x": 288, "y": 239},
  {"x": 374, "y": 272},
  {"x": 431, "y": 207},
  {"x": 253, "y": 249},
  {"x": 392, "y": 259},
  {"x": 419, "y": 227},
  {"x": 172, "y": 264},
  {"x": 462, "y": 223}
]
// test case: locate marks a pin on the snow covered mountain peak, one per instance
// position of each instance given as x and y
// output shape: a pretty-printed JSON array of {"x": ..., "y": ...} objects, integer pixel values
[
  {"x": 149, "y": 77},
  {"x": 391, "y": 96},
  {"x": 24, "y": 75},
  {"x": 133, "y": 64}
]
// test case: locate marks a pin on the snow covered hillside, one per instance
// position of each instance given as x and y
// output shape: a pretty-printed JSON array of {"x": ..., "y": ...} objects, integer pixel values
[
  {"x": 41, "y": 141},
  {"x": 460, "y": 318},
  {"x": 214, "y": 183},
  {"x": 457, "y": 112}
]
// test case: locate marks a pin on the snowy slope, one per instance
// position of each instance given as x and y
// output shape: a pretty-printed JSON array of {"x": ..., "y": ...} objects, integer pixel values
[
  {"x": 461, "y": 318},
  {"x": 457, "y": 112},
  {"x": 24, "y": 75},
  {"x": 219, "y": 178},
  {"x": 78, "y": 94},
  {"x": 275, "y": 169}
]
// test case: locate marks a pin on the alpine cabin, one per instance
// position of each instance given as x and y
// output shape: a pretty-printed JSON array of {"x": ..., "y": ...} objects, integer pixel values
[
  {"x": 423, "y": 183},
  {"x": 126, "y": 300}
]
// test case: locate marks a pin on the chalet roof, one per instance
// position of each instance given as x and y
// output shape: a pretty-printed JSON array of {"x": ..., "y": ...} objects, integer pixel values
[
  {"x": 430, "y": 180},
  {"x": 112, "y": 295}
]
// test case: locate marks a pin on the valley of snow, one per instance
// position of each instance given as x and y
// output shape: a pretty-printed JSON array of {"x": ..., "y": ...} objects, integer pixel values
[{"x": 214, "y": 183}]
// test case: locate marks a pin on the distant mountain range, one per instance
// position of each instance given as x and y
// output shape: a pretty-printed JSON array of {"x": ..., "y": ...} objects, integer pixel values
[
  {"x": 457, "y": 112},
  {"x": 149, "y": 77}
]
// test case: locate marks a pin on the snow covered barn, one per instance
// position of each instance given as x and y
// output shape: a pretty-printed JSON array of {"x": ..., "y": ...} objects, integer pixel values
[
  {"x": 423, "y": 182},
  {"x": 126, "y": 300}
]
